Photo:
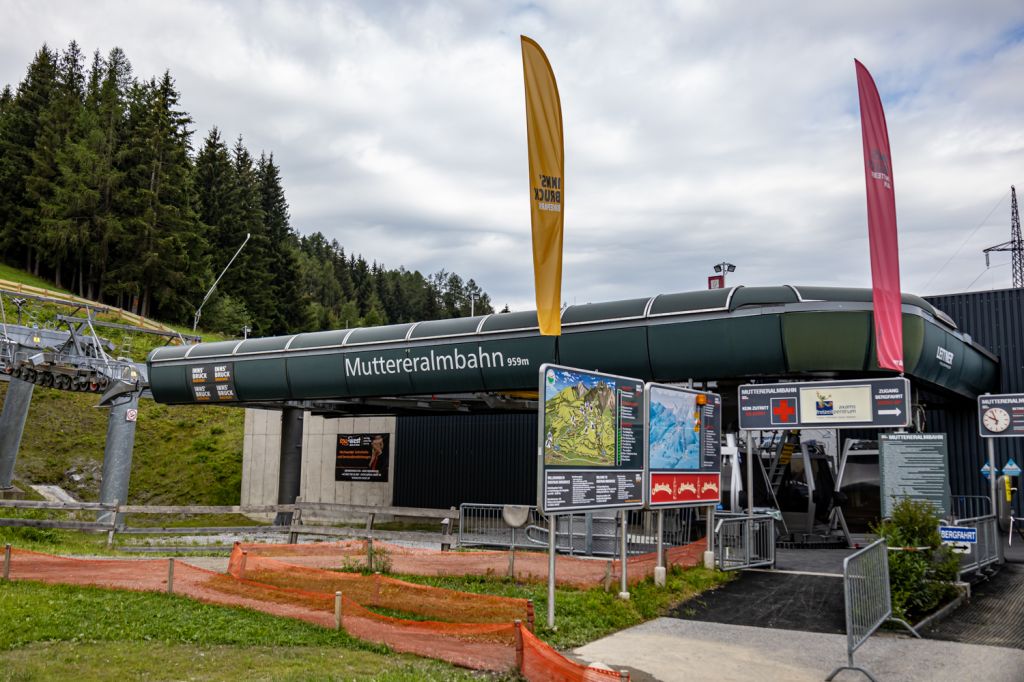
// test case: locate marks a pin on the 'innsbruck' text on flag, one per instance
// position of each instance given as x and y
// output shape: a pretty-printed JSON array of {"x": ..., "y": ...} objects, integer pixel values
[
  {"x": 883, "y": 243},
  {"x": 547, "y": 190}
]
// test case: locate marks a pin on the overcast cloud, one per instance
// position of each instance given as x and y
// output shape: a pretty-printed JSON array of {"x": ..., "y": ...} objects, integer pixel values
[{"x": 695, "y": 131}]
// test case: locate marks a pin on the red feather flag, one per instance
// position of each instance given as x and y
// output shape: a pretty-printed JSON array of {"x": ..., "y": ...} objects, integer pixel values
[{"x": 882, "y": 239}]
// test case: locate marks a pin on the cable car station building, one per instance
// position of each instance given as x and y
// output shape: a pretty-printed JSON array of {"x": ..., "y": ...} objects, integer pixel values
[{"x": 457, "y": 398}]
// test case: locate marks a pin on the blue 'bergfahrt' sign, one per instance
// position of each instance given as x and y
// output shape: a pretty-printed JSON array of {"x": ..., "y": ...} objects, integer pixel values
[{"x": 958, "y": 534}]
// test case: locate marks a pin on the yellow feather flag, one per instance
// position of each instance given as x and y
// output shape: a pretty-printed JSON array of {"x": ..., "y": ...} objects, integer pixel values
[{"x": 547, "y": 189}]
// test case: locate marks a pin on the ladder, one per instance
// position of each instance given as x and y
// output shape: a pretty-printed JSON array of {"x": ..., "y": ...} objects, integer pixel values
[{"x": 783, "y": 455}]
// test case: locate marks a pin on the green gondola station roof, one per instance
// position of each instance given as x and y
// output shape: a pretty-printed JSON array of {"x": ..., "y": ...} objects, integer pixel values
[{"x": 728, "y": 335}]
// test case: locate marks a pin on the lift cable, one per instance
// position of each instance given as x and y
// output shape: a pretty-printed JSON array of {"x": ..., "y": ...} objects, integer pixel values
[{"x": 966, "y": 239}]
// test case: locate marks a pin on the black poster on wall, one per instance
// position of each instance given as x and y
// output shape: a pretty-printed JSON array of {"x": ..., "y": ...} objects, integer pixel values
[{"x": 362, "y": 457}]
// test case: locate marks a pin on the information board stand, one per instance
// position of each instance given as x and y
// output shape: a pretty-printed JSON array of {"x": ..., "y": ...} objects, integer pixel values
[
  {"x": 683, "y": 438},
  {"x": 591, "y": 452}
]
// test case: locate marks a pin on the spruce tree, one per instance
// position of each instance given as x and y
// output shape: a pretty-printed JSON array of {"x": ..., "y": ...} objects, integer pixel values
[
  {"x": 163, "y": 263},
  {"x": 289, "y": 313},
  {"x": 21, "y": 128},
  {"x": 61, "y": 181}
]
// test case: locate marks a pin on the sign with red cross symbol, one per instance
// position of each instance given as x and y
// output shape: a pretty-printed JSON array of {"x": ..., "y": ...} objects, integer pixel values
[{"x": 783, "y": 411}]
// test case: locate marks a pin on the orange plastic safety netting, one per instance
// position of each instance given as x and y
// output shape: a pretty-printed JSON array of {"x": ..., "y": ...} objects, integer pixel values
[
  {"x": 383, "y": 592},
  {"x": 478, "y": 645},
  {"x": 570, "y": 571},
  {"x": 539, "y": 661}
]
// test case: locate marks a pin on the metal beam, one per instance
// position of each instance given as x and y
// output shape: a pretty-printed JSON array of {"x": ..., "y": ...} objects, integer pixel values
[
  {"x": 12, "y": 425},
  {"x": 117, "y": 455},
  {"x": 290, "y": 474}
]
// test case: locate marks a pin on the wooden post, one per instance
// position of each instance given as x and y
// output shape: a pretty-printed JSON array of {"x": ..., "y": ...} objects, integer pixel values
[
  {"x": 376, "y": 588},
  {"x": 608, "y": 576},
  {"x": 170, "y": 576},
  {"x": 293, "y": 534},
  {"x": 519, "y": 645},
  {"x": 529, "y": 615},
  {"x": 241, "y": 565},
  {"x": 7, "y": 561},
  {"x": 337, "y": 610},
  {"x": 369, "y": 541},
  {"x": 113, "y": 525},
  {"x": 446, "y": 533}
]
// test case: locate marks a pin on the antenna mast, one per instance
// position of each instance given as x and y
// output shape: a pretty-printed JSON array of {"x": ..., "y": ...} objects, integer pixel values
[{"x": 1016, "y": 244}]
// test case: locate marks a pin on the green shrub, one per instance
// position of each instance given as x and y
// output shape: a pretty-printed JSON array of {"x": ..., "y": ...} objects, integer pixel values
[{"x": 919, "y": 580}]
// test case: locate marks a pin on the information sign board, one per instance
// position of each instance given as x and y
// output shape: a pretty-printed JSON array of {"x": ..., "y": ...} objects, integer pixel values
[
  {"x": 914, "y": 465},
  {"x": 1001, "y": 416},
  {"x": 362, "y": 457},
  {"x": 959, "y": 538},
  {"x": 684, "y": 446},
  {"x": 958, "y": 534},
  {"x": 874, "y": 403},
  {"x": 213, "y": 383},
  {"x": 591, "y": 441}
]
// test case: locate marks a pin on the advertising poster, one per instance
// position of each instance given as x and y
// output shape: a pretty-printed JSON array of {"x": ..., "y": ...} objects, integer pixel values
[
  {"x": 591, "y": 445},
  {"x": 362, "y": 457},
  {"x": 684, "y": 446}
]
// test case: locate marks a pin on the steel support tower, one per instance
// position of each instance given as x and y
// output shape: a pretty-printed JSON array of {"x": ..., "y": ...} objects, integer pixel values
[{"x": 1016, "y": 244}]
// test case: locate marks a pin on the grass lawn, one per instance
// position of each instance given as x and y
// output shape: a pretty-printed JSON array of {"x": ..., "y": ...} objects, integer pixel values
[
  {"x": 53, "y": 632},
  {"x": 582, "y": 616},
  {"x": 15, "y": 275}
]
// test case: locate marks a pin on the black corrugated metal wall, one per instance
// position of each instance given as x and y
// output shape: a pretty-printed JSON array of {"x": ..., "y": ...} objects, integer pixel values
[
  {"x": 995, "y": 319},
  {"x": 445, "y": 460}
]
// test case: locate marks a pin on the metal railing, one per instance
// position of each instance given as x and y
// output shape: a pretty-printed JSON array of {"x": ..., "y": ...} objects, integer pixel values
[
  {"x": 743, "y": 541},
  {"x": 867, "y": 598},
  {"x": 986, "y": 551},
  {"x": 971, "y": 506},
  {"x": 483, "y": 525},
  {"x": 590, "y": 534}
]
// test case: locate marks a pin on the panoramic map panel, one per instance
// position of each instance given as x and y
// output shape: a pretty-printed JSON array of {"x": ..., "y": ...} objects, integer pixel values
[
  {"x": 579, "y": 419},
  {"x": 674, "y": 430}
]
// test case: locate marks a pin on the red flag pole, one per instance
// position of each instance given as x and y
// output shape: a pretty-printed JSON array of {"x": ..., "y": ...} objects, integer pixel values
[{"x": 882, "y": 237}]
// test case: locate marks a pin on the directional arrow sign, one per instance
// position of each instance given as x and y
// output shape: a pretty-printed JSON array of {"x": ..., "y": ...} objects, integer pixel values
[
  {"x": 986, "y": 470},
  {"x": 1011, "y": 468},
  {"x": 862, "y": 403}
]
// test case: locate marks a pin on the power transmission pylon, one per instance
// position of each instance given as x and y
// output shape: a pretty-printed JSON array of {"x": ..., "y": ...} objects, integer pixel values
[{"x": 1016, "y": 244}]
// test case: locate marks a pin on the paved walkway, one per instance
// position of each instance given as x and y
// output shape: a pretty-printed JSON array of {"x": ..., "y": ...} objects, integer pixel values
[
  {"x": 994, "y": 615},
  {"x": 669, "y": 649}
]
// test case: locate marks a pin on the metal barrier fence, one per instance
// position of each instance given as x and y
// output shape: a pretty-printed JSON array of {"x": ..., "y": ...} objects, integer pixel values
[
  {"x": 743, "y": 541},
  {"x": 867, "y": 598},
  {"x": 590, "y": 534},
  {"x": 971, "y": 506},
  {"x": 484, "y": 525},
  {"x": 986, "y": 551}
]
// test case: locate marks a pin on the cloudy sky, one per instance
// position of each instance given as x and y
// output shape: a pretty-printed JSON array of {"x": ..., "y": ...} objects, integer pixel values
[{"x": 696, "y": 131}]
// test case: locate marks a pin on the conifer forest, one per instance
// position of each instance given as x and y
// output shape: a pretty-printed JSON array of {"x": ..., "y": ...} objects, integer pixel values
[{"x": 106, "y": 191}]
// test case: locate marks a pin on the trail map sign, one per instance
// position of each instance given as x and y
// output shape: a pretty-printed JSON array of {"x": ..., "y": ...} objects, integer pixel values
[
  {"x": 874, "y": 403},
  {"x": 591, "y": 440},
  {"x": 213, "y": 383},
  {"x": 914, "y": 465},
  {"x": 684, "y": 446},
  {"x": 362, "y": 457},
  {"x": 1001, "y": 416}
]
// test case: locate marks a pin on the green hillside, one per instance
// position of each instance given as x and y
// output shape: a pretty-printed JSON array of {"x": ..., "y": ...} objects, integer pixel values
[{"x": 183, "y": 454}]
